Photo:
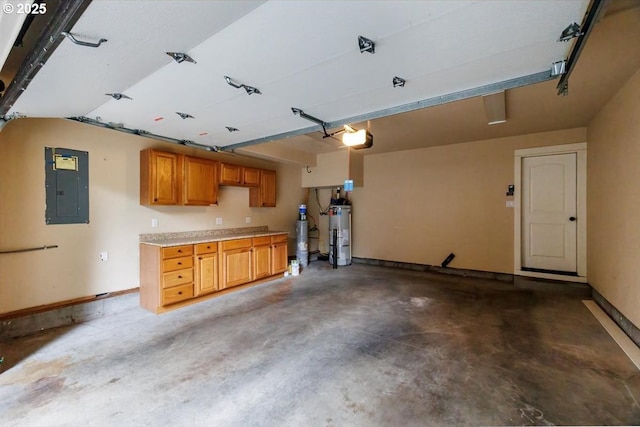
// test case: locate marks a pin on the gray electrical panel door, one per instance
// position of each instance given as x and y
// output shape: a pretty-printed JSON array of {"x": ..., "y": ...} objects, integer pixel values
[{"x": 67, "y": 186}]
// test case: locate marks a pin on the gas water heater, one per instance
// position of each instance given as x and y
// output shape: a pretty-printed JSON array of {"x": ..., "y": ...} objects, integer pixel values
[{"x": 340, "y": 235}]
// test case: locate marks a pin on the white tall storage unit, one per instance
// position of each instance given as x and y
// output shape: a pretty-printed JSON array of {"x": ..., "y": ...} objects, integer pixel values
[{"x": 340, "y": 220}]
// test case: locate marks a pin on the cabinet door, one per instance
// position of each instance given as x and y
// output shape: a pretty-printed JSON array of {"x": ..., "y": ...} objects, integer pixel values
[
  {"x": 279, "y": 257},
  {"x": 265, "y": 195},
  {"x": 159, "y": 178},
  {"x": 230, "y": 174},
  {"x": 236, "y": 264},
  {"x": 200, "y": 181},
  {"x": 251, "y": 177},
  {"x": 206, "y": 273},
  {"x": 261, "y": 261}
]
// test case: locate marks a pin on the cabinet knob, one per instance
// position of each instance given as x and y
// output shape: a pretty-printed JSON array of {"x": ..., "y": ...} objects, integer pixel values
[
  {"x": 208, "y": 247},
  {"x": 179, "y": 277},
  {"x": 179, "y": 263},
  {"x": 179, "y": 292},
  {"x": 155, "y": 200},
  {"x": 179, "y": 250}
]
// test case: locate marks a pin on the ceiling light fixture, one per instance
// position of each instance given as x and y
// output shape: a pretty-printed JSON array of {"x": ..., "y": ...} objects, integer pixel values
[
  {"x": 180, "y": 57},
  {"x": 558, "y": 68},
  {"x": 357, "y": 140},
  {"x": 250, "y": 89},
  {"x": 366, "y": 45},
  {"x": 398, "y": 81},
  {"x": 118, "y": 96},
  {"x": 185, "y": 115},
  {"x": 231, "y": 129},
  {"x": 572, "y": 31}
]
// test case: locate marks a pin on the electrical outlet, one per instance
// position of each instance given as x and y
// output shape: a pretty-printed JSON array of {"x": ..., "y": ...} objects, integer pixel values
[
  {"x": 154, "y": 222},
  {"x": 218, "y": 221},
  {"x": 104, "y": 256},
  {"x": 247, "y": 220}
]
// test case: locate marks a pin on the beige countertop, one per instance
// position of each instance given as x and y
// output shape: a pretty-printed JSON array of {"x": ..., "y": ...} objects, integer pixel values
[{"x": 203, "y": 236}]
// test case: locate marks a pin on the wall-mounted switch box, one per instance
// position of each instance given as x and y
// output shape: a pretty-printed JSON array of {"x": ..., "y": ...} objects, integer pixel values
[
  {"x": 218, "y": 221},
  {"x": 154, "y": 222}
]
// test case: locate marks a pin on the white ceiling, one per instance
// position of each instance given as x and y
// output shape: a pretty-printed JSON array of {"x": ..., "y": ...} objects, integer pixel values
[{"x": 300, "y": 54}]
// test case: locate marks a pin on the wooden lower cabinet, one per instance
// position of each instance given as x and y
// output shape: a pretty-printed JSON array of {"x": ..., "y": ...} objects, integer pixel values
[
  {"x": 174, "y": 276},
  {"x": 237, "y": 261},
  {"x": 166, "y": 275},
  {"x": 207, "y": 268},
  {"x": 261, "y": 257},
  {"x": 279, "y": 255}
]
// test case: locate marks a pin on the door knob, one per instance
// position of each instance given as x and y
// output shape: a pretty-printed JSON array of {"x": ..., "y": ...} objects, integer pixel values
[{"x": 572, "y": 218}]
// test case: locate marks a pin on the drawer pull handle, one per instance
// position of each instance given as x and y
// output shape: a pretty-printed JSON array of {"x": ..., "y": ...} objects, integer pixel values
[
  {"x": 179, "y": 263},
  {"x": 208, "y": 247}
]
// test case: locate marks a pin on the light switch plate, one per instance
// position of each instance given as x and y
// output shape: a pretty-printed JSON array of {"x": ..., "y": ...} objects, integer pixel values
[
  {"x": 218, "y": 221},
  {"x": 104, "y": 256},
  {"x": 154, "y": 222},
  {"x": 510, "y": 203},
  {"x": 247, "y": 220}
]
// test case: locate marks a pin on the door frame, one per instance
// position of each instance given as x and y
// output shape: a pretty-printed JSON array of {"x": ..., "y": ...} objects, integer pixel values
[{"x": 580, "y": 149}]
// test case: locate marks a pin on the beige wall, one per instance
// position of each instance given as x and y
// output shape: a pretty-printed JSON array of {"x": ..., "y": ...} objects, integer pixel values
[
  {"x": 417, "y": 206},
  {"x": 116, "y": 218},
  {"x": 613, "y": 197}
]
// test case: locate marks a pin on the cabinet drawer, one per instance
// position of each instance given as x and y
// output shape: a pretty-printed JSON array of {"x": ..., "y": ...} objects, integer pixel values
[
  {"x": 279, "y": 238},
  {"x": 178, "y": 277},
  {"x": 172, "y": 264},
  {"x": 260, "y": 241},
  {"x": 177, "y": 294},
  {"x": 236, "y": 244},
  {"x": 206, "y": 248},
  {"x": 177, "y": 251}
]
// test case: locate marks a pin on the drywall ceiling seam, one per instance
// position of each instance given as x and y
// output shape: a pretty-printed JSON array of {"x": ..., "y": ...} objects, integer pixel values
[
  {"x": 530, "y": 79},
  {"x": 62, "y": 19}
]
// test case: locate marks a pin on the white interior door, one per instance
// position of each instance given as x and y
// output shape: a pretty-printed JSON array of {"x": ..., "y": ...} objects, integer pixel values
[{"x": 549, "y": 220}]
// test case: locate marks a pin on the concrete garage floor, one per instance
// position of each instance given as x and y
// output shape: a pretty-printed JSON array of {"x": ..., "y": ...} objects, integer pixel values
[{"x": 357, "y": 346}]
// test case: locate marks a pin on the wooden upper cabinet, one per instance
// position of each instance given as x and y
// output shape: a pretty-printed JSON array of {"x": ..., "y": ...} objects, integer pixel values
[
  {"x": 160, "y": 177},
  {"x": 200, "y": 181},
  {"x": 230, "y": 174},
  {"x": 239, "y": 175},
  {"x": 250, "y": 177},
  {"x": 264, "y": 196}
]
